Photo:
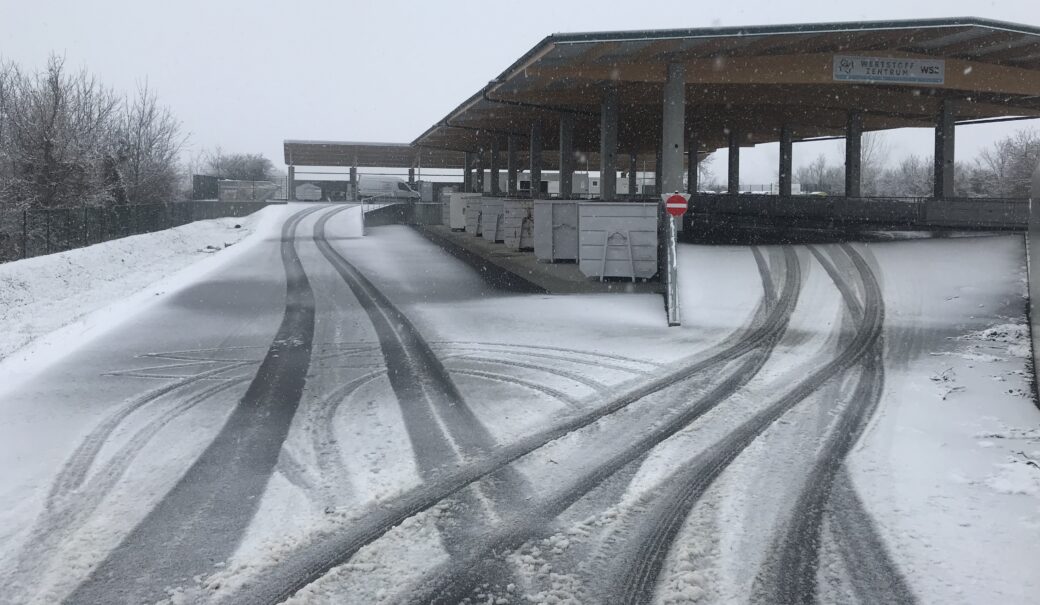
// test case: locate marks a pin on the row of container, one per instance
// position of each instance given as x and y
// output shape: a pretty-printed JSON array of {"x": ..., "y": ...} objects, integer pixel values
[{"x": 606, "y": 239}]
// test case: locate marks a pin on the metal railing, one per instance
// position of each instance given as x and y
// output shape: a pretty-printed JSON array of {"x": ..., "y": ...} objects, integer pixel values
[{"x": 34, "y": 232}]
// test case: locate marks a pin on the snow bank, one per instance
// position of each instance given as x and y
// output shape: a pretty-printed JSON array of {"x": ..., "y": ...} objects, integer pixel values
[{"x": 81, "y": 292}]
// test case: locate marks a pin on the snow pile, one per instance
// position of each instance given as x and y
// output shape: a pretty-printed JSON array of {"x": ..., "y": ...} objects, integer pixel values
[
  {"x": 39, "y": 295},
  {"x": 1015, "y": 337},
  {"x": 1019, "y": 476}
]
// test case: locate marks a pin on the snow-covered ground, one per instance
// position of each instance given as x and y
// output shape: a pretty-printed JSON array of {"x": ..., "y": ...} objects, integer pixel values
[
  {"x": 72, "y": 296},
  {"x": 946, "y": 468}
]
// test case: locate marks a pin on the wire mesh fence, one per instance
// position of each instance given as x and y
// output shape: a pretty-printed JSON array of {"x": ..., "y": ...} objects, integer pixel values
[{"x": 28, "y": 233}]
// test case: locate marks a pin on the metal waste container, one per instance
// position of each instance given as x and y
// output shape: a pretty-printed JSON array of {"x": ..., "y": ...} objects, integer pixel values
[
  {"x": 556, "y": 230},
  {"x": 518, "y": 224},
  {"x": 618, "y": 239},
  {"x": 491, "y": 219}
]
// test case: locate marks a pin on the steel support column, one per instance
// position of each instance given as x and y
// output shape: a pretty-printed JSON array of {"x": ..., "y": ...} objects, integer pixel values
[
  {"x": 353, "y": 183},
  {"x": 290, "y": 183},
  {"x": 733, "y": 186},
  {"x": 692, "y": 161},
  {"x": 608, "y": 143},
  {"x": 511, "y": 168},
  {"x": 467, "y": 172},
  {"x": 853, "y": 149},
  {"x": 566, "y": 155},
  {"x": 536, "y": 160},
  {"x": 944, "y": 151},
  {"x": 786, "y": 160},
  {"x": 673, "y": 129},
  {"x": 496, "y": 187},
  {"x": 633, "y": 169},
  {"x": 478, "y": 180}
]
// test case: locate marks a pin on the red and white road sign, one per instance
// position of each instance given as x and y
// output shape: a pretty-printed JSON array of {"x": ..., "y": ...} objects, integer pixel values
[{"x": 675, "y": 203}]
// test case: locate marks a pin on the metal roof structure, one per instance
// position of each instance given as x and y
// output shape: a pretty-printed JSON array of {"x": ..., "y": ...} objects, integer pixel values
[
  {"x": 750, "y": 79},
  {"x": 369, "y": 155},
  {"x": 754, "y": 79}
]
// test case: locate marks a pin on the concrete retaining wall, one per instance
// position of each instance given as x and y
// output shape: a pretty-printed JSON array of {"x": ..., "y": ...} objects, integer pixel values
[{"x": 880, "y": 212}]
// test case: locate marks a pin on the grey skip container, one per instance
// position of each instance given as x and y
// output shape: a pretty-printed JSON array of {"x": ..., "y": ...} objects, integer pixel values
[
  {"x": 473, "y": 207},
  {"x": 618, "y": 239},
  {"x": 556, "y": 230},
  {"x": 491, "y": 219},
  {"x": 518, "y": 224}
]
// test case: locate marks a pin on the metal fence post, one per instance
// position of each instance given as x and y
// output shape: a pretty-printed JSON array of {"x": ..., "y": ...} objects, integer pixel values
[
  {"x": 25, "y": 233},
  {"x": 47, "y": 230}
]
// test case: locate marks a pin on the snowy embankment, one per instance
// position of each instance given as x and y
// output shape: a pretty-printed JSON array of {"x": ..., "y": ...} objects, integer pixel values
[{"x": 81, "y": 291}]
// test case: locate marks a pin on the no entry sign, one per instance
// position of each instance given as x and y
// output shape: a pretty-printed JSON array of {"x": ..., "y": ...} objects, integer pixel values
[{"x": 675, "y": 204}]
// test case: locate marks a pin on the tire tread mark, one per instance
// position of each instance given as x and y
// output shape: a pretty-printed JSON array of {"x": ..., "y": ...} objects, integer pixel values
[
  {"x": 457, "y": 579},
  {"x": 201, "y": 520},
  {"x": 296, "y": 571},
  {"x": 685, "y": 487}
]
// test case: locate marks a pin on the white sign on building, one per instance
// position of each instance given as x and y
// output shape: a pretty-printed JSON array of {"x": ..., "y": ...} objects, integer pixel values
[{"x": 889, "y": 69}]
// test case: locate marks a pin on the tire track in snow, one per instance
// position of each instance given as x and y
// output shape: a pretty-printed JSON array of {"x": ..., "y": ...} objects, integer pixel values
[
  {"x": 684, "y": 488},
  {"x": 572, "y": 359},
  {"x": 791, "y": 574},
  {"x": 296, "y": 570},
  {"x": 201, "y": 520},
  {"x": 441, "y": 427},
  {"x": 455, "y": 580},
  {"x": 322, "y": 431},
  {"x": 57, "y": 524},
  {"x": 874, "y": 577},
  {"x": 75, "y": 469},
  {"x": 593, "y": 355}
]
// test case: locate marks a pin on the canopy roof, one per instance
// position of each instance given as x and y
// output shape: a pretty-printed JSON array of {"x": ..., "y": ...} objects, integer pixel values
[
  {"x": 750, "y": 79},
  {"x": 753, "y": 79}
]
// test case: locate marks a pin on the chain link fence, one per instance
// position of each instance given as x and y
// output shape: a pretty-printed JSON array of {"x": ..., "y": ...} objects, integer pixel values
[{"x": 28, "y": 233}]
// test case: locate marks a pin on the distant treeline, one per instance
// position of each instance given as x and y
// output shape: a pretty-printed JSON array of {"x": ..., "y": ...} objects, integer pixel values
[{"x": 1004, "y": 170}]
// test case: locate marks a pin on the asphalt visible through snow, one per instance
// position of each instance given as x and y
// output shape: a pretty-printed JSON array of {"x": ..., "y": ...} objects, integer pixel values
[{"x": 269, "y": 400}]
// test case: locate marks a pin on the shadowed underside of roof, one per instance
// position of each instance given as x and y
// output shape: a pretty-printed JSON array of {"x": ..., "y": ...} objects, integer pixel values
[{"x": 753, "y": 80}]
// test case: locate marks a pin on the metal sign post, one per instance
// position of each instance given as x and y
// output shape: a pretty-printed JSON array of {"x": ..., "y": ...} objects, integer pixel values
[{"x": 675, "y": 205}]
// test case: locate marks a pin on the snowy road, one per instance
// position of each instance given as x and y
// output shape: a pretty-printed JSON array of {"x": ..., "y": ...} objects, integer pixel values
[{"x": 334, "y": 418}]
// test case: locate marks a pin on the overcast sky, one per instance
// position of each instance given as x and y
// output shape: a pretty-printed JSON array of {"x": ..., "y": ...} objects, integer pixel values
[{"x": 246, "y": 74}]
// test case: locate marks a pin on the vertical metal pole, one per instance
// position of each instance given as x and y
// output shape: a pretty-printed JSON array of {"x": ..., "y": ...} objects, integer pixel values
[
  {"x": 786, "y": 160},
  {"x": 566, "y": 155},
  {"x": 25, "y": 234},
  {"x": 511, "y": 164},
  {"x": 853, "y": 139},
  {"x": 633, "y": 168},
  {"x": 673, "y": 129},
  {"x": 496, "y": 187},
  {"x": 692, "y": 176},
  {"x": 608, "y": 134},
  {"x": 944, "y": 150},
  {"x": 536, "y": 160},
  {"x": 47, "y": 230},
  {"x": 467, "y": 172},
  {"x": 671, "y": 270},
  {"x": 734, "y": 163}
]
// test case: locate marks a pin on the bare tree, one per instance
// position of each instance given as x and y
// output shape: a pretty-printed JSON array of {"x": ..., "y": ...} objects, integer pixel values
[
  {"x": 56, "y": 128},
  {"x": 1007, "y": 167},
  {"x": 149, "y": 142},
  {"x": 240, "y": 166}
]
